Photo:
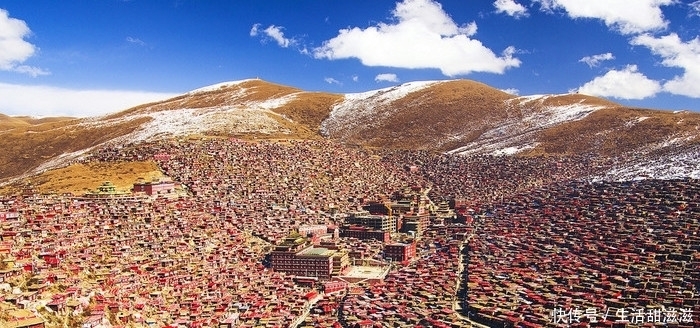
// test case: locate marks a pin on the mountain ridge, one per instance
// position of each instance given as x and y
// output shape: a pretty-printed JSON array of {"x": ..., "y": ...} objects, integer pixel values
[{"x": 453, "y": 116}]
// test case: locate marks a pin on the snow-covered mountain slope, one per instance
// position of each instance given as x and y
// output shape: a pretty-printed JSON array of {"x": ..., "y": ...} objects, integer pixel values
[
  {"x": 677, "y": 163},
  {"x": 367, "y": 108},
  {"x": 420, "y": 115},
  {"x": 531, "y": 114},
  {"x": 246, "y": 107},
  {"x": 236, "y": 107}
]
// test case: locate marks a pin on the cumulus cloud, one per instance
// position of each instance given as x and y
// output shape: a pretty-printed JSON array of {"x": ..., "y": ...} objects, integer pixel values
[
  {"x": 51, "y": 101},
  {"x": 386, "y": 77},
  {"x": 273, "y": 32},
  {"x": 593, "y": 61},
  {"x": 14, "y": 50},
  {"x": 627, "y": 83},
  {"x": 255, "y": 30},
  {"x": 676, "y": 53},
  {"x": 512, "y": 91},
  {"x": 510, "y": 8},
  {"x": 627, "y": 17},
  {"x": 422, "y": 35}
]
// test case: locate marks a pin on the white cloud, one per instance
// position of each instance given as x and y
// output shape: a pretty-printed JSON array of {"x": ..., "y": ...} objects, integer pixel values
[
  {"x": 593, "y": 61},
  {"x": 469, "y": 29},
  {"x": 694, "y": 8},
  {"x": 331, "y": 80},
  {"x": 676, "y": 53},
  {"x": 274, "y": 33},
  {"x": 255, "y": 30},
  {"x": 14, "y": 50},
  {"x": 512, "y": 91},
  {"x": 628, "y": 83},
  {"x": 386, "y": 77},
  {"x": 31, "y": 70},
  {"x": 510, "y": 8},
  {"x": 135, "y": 41},
  {"x": 355, "y": 78},
  {"x": 52, "y": 101},
  {"x": 625, "y": 16},
  {"x": 423, "y": 35}
]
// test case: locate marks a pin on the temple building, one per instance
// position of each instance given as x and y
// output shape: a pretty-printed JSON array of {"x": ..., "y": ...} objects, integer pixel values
[
  {"x": 400, "y": 252},
  {"x": 373, "y": 222},
  {"x": 296, "y": 255},
  {"x": 155, "y": 187}
]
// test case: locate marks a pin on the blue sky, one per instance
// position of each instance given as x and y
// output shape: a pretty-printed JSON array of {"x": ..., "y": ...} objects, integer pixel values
[{"x": 83, "y": 58}]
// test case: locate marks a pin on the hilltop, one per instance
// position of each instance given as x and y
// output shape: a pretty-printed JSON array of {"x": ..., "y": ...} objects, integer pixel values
[{"x": 454, "y": 116}]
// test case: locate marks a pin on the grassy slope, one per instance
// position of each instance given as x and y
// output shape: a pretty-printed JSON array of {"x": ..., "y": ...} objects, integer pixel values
[
  {"x": 27, "y": 146},
  {"x": 614, "y": 131},
  {"x": 79, "y": 178}
]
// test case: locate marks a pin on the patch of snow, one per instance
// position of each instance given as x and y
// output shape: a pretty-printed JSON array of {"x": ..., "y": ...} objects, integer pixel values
[
  {"x": 554, "y": 115},
  {"x": 505, "y": 145},
  {"x": 633, "y": 122},
  {"x": 358, "y": 108},
  {"x": 517, "y": 135},
  {"x": 530, "y": 98},
  {"x": 272, "y": 103},
  {"x": 218, "y": 86},
  {"x": 682, "y": 164},
  {"x": 673, "y": 141},
  {"x": 238, "y": 117},
  {"x": 513, "y": 150},
  {"x": 670, "y": 141},
  {"x": 182, "y": 122},
  {"x": 674, "y": 158},
  {"x": 62, "y": 160},
  {"x": 544, "y": 116}
]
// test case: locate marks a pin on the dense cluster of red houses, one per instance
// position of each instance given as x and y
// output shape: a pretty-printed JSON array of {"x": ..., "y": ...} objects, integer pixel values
[
  {"x": 422, "y": 293},
  {"x": 597, "y": 248},
  {"x": 525, "y": 245}
]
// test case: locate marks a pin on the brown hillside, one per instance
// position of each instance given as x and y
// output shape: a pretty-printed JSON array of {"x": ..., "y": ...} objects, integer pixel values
[
  {"x": 300, "y": 117},
  {"x": 614, "y": 131},
  {"x": 25, "y": 147},
  {"x": 80, "y": 178},
  {"x": 29, "y": 143},
  {"x": 439, "y": 117},
  {"x": 247, "y": 91},
  {"x": 35, "y": 121},
  {"x": 575, "y": 98},
  {"x": 9, "y": 122},
  {"x": 14, "y": 122},
  {"x": 309, "y": 109}
]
